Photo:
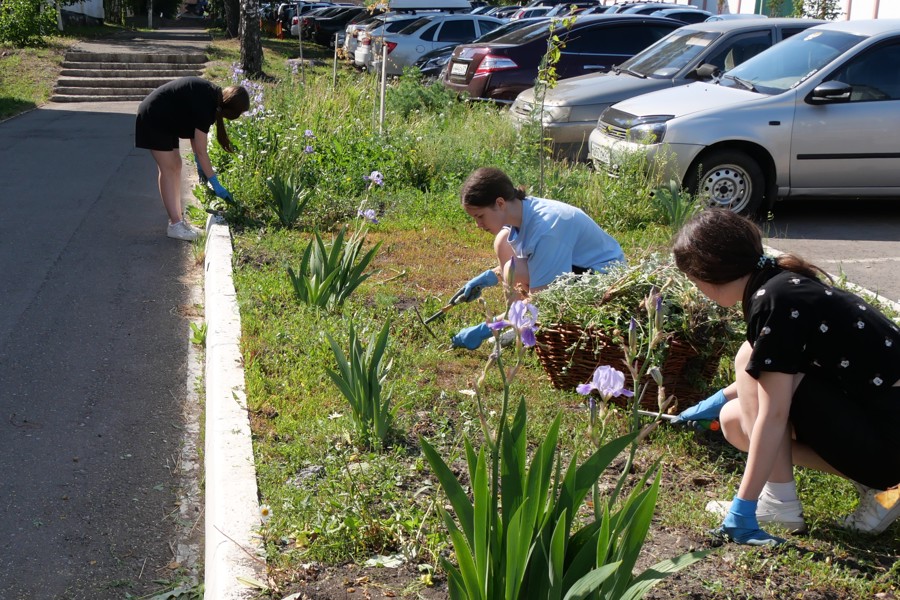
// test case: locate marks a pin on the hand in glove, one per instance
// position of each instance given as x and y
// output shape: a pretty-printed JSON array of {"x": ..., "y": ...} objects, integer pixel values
[
  {"x": 471, "y": 337},
  {"x": 200, "y": 175},
  {"x": 707, "y": 410},
  {"x": 741, "y": 526},
  {"x": 472, "y": 289},
  {"x": 217, "y": 187}
]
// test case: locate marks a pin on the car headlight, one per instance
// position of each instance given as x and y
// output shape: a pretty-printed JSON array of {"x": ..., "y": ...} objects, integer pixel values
[
  {"x": 648, "y": 130},
  {"x": 556, "y": 114},
  {"x": 438, "y": 61}
]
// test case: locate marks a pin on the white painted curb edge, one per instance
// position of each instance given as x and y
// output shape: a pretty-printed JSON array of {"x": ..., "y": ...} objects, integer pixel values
[{"x": 232, "y": 503}]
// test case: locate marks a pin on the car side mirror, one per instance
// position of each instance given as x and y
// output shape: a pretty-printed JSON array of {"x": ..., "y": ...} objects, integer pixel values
[
  {"x": 706, "y": 71},
  {"x": 830, "y": 92}
]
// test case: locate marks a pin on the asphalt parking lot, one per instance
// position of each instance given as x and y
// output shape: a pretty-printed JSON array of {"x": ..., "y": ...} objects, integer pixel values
[{"x": 857, "y": 238}]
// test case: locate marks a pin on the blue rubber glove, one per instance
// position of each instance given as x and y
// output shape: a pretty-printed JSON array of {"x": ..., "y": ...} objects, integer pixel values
[
  {"x": 741, "y": 526},
  {"x": 707, "y": 410},
  {"x": 471, "y": 337},
  {"x": 217, "y": 187},
  {"x": 472, "y": 289},
  {"x": 200, "y": 175}
]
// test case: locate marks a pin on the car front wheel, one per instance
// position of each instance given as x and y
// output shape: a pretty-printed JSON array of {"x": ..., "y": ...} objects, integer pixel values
[{"x": 728, "y": 179}]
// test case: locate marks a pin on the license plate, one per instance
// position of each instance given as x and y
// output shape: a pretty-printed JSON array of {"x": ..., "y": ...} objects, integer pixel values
[
  {"x": 600, "y": 153},
  {"x": 459, "y": 69}
]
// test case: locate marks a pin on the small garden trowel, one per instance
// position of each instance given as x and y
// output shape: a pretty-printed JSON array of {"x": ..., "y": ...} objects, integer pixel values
[{"x": 456, "y": 299}]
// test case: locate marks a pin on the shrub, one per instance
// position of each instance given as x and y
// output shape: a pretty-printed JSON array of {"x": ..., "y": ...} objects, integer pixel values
[{"x": 25, "y": 22}]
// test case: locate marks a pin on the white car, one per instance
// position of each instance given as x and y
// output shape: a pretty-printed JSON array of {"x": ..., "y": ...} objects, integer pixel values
[
  {"x": 388, "y": 23},
  {"x": 813, "y": 116},
  {"x": 431, "y": 33}
]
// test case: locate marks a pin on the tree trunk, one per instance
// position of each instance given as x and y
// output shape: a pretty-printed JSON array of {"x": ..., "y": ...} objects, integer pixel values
[
  {"x": 232, "y": 17},
  {"x": 251, "y": 39}
]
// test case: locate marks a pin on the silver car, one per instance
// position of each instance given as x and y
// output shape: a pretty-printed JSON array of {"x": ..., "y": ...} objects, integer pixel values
[
  {"x": 571, "y": 109},
  {"x": 813, "y": 116},
  {"x": 430, "y": 33}
]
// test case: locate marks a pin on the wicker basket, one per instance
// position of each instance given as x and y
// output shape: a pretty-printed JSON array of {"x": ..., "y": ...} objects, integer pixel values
[{"x": 570, "y": 354}]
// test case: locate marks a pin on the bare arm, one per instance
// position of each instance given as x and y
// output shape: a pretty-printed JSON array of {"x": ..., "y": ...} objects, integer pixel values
[{"x": 198, "y": 145}]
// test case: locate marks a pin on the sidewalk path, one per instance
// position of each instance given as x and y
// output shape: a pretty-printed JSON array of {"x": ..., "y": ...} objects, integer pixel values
[{"x": 98, "y": 389}]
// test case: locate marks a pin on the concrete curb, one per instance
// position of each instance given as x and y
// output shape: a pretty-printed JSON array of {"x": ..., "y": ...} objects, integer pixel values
[{"x": 232, "y": 516}]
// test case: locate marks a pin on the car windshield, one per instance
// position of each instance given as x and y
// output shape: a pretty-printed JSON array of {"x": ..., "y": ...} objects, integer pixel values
[
  {"x": 415, "y": 26},
  {"x": 525, "y": 34},
  {"x": 504, "y": 29},
  {"x": 669, "y": 55},
  {"x": 786, "y": 65}
]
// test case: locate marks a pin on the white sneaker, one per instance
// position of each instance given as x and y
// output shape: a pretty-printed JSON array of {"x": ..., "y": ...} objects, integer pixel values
[
  {"x": 788, "y": 515},
  {"x": 870, "y": 515},
  {"x": 182, "y": 231}
]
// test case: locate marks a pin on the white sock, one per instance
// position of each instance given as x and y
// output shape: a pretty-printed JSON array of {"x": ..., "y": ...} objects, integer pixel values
[{"x": 783, "y": 492}]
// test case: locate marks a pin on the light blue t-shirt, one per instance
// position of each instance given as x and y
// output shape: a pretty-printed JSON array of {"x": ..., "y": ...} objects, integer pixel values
[{"x": 555, "y": 237}]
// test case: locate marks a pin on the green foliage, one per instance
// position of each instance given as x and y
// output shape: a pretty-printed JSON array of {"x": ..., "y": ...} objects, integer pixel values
[
  {"x": 828, "y": 10},
  {"x": 26, "y": 22},
  {"x": 522, "y": 545},
  {"x": 360, "y": 377},
  {"x": 198, "y": 333},
  {"x": 411, "y": 94},
  {"x": 328, "y": 275},
  {"x": 676, "y": 205},
  {"x": 288, "y": 199}
]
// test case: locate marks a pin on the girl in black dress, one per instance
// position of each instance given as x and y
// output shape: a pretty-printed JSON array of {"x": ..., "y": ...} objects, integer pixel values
[
  {"x": 185, "y": 109},
  {"x": 818, "y": 379}
]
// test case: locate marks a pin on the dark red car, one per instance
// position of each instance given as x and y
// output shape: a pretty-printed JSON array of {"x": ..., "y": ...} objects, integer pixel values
[{"x": 499, "y": 70}]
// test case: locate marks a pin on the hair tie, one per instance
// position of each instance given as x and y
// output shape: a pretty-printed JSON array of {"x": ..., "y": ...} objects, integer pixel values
[{"x": 765, "y": 261}]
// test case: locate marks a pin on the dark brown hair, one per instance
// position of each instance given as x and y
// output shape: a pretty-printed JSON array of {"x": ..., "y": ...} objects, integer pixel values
[
  {"x": 485, "y": 185},
  {"x": 234, "y": 102},
  {"x": 719, "y": 246}
]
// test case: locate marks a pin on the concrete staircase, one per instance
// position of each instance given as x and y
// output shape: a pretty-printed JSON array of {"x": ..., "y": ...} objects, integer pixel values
[{"x": 118, "y": 77}]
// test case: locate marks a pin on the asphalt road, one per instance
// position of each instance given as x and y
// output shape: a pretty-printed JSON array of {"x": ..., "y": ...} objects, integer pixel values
[
  {"x": 94, "y": 349},
  {"x": 857, "y": 238}
]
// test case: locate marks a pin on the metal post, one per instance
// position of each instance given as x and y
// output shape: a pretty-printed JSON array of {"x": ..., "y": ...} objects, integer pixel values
[
  {"x": 300, "y": 40},
  {"x": 384, "y": 53},
  {"x": 149, "y": 14},
  {"x": 334, "y": 68}
]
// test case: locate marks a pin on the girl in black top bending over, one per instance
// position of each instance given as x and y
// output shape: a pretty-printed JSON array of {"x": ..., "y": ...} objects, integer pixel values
[
  {"x": 817, "y": 381},
  {"x": 185, "y": 109}
]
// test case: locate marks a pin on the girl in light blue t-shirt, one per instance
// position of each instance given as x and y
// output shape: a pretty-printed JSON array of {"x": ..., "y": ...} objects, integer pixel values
[{"x": 546, "y": 237}]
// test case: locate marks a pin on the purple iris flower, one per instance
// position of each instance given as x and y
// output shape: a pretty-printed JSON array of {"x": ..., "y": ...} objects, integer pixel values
[
  {"x": 309, "y": 150},
  {"x": 308, "y": 133},
  {"x": 375, "y": 177},
  {"x": 608, "y": 381},
  {"x": 368, "y": 215},
  {"x": 523, "y": 317}
]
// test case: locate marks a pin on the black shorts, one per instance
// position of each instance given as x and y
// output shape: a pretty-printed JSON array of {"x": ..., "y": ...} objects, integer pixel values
[
  {"x": 856, "y": 434},
  {"x": 150, "y": 137}
]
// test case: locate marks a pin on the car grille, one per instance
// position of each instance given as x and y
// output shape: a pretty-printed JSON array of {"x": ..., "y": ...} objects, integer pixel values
[
  {"x": 523, "y": 108},
  {"x": 614, "y": 123}
]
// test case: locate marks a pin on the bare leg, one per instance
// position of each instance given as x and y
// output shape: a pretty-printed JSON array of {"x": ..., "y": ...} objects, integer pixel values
[
  {"x": 504, "y": 256},
  {"x": 169, "y": 164},
  {"x": 737, "y": 419}
]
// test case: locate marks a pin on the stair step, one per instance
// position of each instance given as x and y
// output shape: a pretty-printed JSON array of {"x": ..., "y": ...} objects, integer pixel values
[
  {"x": 89, "y": 93},
  {"x": 126, "y": 66},
  {"x": 113, "y": 82},
  {"x": 70, "y": 98},
  {"x": 128, "y": 73},
  {"x": 122, "y": 57}
]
